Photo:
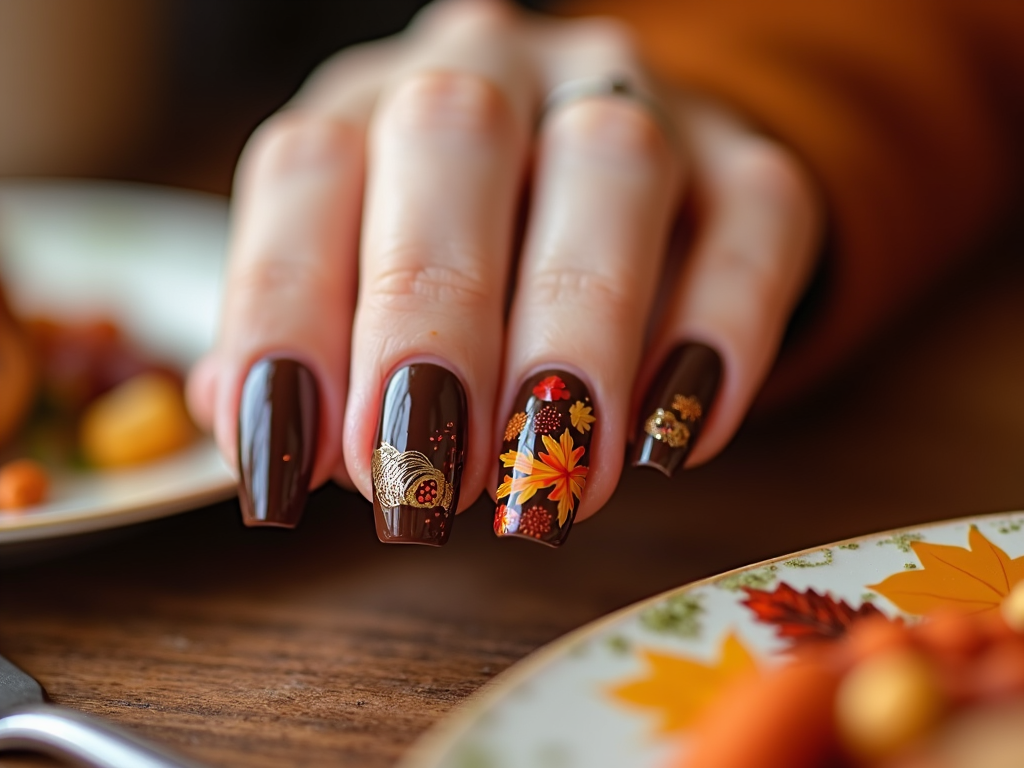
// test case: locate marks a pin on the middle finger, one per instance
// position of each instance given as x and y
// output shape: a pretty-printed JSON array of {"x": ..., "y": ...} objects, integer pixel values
[{"x": 446, "y": 156}]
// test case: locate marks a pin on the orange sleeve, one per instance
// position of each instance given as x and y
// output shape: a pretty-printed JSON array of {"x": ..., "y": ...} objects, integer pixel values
[{"x": 909, "y": 113}]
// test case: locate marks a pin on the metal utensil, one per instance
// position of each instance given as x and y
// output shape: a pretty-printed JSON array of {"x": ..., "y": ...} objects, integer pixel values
[{"x": 27, "y": 721}]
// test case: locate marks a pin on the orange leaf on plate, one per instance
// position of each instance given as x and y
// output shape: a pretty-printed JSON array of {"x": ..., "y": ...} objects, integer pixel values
[
  {"x": 679, "y": 689},
  {"x": 973, "y": 580}
]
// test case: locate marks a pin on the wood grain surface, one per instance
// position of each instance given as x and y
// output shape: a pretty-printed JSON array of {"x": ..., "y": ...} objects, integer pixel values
[{"x": 322, "y": 647}]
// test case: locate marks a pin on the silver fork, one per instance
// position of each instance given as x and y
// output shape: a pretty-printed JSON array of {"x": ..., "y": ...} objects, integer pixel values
[{"x": 27, "y": 721}]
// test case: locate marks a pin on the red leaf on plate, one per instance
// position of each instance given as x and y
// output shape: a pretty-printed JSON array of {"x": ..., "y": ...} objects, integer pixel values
[{"x": 805, "y": 616}]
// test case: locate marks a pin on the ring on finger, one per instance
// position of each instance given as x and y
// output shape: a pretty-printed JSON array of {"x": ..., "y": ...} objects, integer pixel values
[{"x": 617, "y": 86}]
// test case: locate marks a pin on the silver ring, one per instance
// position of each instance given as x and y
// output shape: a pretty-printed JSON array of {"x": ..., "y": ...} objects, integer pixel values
[{"x": 609, "y": 86}]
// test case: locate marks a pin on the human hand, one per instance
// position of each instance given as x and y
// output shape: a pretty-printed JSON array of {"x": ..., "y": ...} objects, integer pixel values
[{"x": 370, "y": 332}]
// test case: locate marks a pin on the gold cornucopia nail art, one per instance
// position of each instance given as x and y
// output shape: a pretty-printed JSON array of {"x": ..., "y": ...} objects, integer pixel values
[
  {"x": 409, "y": 478},
  {"x": 417, "y": 464}
]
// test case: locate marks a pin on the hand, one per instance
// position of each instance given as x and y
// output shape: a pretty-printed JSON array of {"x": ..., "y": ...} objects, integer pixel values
[{"x": 370, "y": 331}]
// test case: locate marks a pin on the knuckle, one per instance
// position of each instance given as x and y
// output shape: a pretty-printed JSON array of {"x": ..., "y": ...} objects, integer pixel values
[
  {"x": 449, "y": 101},
  {"x": 416, "y": 287},
  {"x": 356, "y": 62},
  {"x": 613, "y": 129},
  {"x": 280, "y": 276},
  {"x": 768, "y": 171},
  {"x": 611, "y": 297},
  {"x": 608, "y": 36},
  {"x": 760, "y": 280},
  {"x": 466, "y": 16},
  {"x": 292, "y": 140}
]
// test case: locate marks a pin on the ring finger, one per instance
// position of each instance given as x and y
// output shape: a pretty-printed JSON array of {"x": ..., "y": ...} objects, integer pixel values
[{"x": 607, "y": 184}]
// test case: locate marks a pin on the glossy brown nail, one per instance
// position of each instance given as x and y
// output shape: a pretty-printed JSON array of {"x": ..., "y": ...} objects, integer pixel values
[
  {"x": 676, "y": 405},
  {"x": 419, "y": 454},
  {"x": 278, "y": 426},
  {"x": 545, "y": 458}
]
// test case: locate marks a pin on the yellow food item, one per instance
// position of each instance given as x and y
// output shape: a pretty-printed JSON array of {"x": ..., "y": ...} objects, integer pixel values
[
  {"x": 23, "y": 483},
  {"x": 886, "y": 702},
  {"x": 1012, "y": 607},
  {"x": 142, "y": 419}
]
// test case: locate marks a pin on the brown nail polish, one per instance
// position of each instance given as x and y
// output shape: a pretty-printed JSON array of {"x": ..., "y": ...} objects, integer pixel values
[
  {"x": 545, "y": 458},
  {"x": 677, "y": 403},
  {"x": 420, "y": 450},
  {"x": 278, "y": 426}
]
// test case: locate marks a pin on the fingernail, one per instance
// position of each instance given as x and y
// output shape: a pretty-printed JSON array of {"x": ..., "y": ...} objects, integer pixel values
[
  {"x": 417, "y": 464},
  {"x": 278, "y": 425},
  {"x": 545, "y": 458},
  {"x": 677, "y": 403}
]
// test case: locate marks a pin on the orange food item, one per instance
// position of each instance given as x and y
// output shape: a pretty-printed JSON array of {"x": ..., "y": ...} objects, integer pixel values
[
  {"x": 886, "y": 695},
  {"x": 142, "y": 419},
  {"x": 23, "y": 483},
  {"x": 786, "y": 718}
]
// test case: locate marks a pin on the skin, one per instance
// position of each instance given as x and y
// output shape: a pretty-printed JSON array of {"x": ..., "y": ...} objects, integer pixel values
[{"x": 376, "y": 214}]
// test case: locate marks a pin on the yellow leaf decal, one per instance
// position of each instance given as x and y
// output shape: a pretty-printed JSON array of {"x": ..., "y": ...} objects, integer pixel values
[
  {"x": 973, "y": 580},
  {"x": 558, "y": 469},
  {"x": 679, "y": 689},
  {"x": 581, "y": 416}
]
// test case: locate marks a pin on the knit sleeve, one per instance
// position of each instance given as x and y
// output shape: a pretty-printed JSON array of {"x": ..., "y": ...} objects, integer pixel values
[{"x": 910, "y": 115}]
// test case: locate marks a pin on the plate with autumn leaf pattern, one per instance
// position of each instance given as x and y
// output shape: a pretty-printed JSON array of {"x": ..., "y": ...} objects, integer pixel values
[{"x": 626, "y": 689}]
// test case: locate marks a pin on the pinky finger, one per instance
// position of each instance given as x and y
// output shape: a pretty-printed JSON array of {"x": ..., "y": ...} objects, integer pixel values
[{"x": 752, "y": 260}]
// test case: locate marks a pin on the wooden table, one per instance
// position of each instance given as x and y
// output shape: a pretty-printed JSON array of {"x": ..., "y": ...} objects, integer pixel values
[{"x": 323, "y": 647}]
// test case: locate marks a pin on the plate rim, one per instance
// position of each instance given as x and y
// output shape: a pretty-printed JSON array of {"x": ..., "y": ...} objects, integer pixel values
[
  {"x": 74, "y": 523},
  {"x": 427, "y": 750},
  {"x": 19, "y": 527}
]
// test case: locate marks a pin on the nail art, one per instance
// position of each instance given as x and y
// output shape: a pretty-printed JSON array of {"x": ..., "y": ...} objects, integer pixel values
[
  {"x": 419, "y": 455},
  {"x": 545, "y": 459},
  {"x": 676, "y": 407},
  {"x": 278, "y": 426}
]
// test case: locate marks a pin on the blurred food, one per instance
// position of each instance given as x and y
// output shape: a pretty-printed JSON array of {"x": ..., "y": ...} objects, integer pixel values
[
  {"x": 944, "y": 693},
  {"x": 886, "y": 702},
  {"x": 80, "y": 394},
  {"x": 80, "y": 361},
  {"x": 17, "y": 373},
  {"x": 23, "y": 483},
  {"x": 142, "y": 419}
]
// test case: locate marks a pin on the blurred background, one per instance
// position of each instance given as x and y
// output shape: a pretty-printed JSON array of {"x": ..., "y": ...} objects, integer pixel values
[{"x": 161, "y": 91}]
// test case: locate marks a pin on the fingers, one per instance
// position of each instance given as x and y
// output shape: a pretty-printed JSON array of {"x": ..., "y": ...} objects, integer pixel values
[
  {"x": 607, "y": 183},
  {"x": 282, "y": 356},
  {"x": 447, "y": 152},
  {"x": 727, "y": 315},
  {"x": 274, "y": 387}
]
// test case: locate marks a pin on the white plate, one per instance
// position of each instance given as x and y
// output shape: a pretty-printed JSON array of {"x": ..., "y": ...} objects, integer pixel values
[
  {"x": 624, "y": 690},
  {"x": 150, "y": 258}
]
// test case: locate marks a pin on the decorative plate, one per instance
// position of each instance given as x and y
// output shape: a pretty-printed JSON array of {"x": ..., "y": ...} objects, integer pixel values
[
  {"x": 624, "y": 690},
  {"x": 151, "y": 259}
]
